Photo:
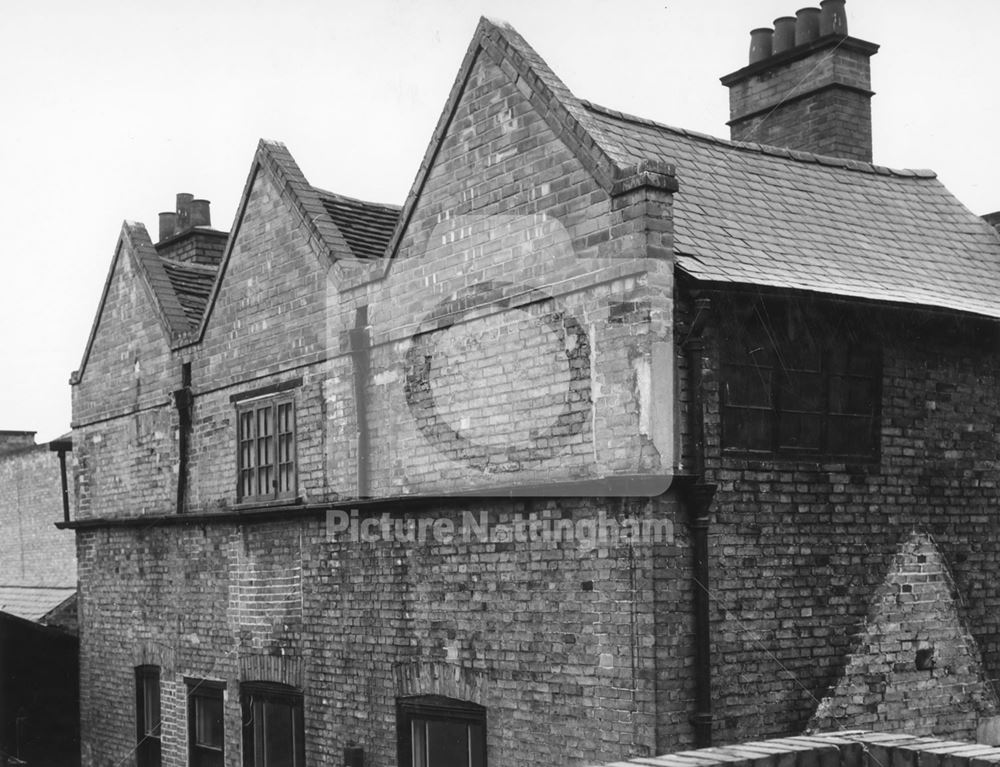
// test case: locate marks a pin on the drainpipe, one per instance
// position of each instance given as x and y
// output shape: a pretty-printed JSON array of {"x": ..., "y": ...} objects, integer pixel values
[
  {"x": 63, "y": 446},
  {"x": 697, "y": 496},
  {"x": 183, "y": 400},
  {"x": 361, "y": 362}
]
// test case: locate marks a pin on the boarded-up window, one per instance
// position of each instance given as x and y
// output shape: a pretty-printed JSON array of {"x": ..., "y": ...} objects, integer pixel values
[{"x": 799, "y": 382}]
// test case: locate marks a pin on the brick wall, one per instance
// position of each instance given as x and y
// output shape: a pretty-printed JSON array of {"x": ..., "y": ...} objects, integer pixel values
[
  {"x": 545, "y": 315},
  {"x": 124, "y": 426},
  {"x": 799, "y": 549},
  {"x": 556, "y": 639},
  {"x": 819, "y": 102},
  {"x": 32, "y": 551}
]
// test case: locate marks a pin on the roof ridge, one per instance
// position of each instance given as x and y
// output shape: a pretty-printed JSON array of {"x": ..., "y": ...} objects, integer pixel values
[
  {"x": 339, "y": 196},
  {"x": 775, "y": 151}
]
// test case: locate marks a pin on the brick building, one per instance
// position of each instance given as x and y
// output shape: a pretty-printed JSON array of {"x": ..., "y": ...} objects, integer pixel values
[
  {"x": 39, "y": 709},
  {"x": 614, "y": 439}
]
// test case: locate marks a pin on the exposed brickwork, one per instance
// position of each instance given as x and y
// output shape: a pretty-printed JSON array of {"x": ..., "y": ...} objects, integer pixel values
[
  {"x": 799, "y": 548},
  {"x": 546, "y": 635},
  {"x": 200, "y": 246},
  {"x": 916, "y": 669},
  {"x": 527, "y": 312},
  {"x": 32, "y": 551},
  {"x": 818, "y": 103}
]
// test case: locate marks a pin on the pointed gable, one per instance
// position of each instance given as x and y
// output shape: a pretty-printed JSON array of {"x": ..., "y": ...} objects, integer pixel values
[
  {"x": 568, "y": 118},
  {"x": 916, "y": 667},
  {"x": 135, "y": 267}
]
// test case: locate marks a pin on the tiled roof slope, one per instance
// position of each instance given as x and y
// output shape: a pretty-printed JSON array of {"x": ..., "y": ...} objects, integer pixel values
[
  {"x": 767, "y": 216},
  {"x": 32, "y": 603},
  {"x": 366, "y": 226},
  {"x": 192, "y": 284}
]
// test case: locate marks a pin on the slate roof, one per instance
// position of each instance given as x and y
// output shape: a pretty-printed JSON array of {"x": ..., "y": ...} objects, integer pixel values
[
  {"x": 192, "y": 284},
  {"x": 366, "y": 226},
  {"x": 32, "y": 603},
  {"x": 772, "y": 217}
]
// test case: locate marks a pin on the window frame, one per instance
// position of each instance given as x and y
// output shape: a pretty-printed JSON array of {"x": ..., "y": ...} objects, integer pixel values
[
  {"x": 149, "y": 741},
  {"x": 250, "y": 694},
  {"x": 205, "y": 689},
  {"x": 842, "y": 334},
  {"x": 249, "y": 411},
  {"x": 435, "y": 708}
]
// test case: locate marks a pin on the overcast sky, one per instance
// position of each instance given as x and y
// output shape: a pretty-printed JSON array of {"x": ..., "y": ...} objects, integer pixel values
[{"x": 111, "y": 108}]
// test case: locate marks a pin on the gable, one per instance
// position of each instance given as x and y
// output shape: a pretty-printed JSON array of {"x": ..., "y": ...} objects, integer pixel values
[{"x": 127, "y": 355}]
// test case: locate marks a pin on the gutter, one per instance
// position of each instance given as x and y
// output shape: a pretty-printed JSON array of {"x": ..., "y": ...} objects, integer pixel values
[{"x": 619, "y": 486}]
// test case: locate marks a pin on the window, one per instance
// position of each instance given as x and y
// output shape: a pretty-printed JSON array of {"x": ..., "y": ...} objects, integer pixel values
[
  {"x": 799, "y": 382},
  {"x": 206, "y": 728},
  {"x": 147, "y": 716},
  {"x": 440, "y": 732},
  {"x": 273, "y": 731},
  {"x": 266, "y": 446}
]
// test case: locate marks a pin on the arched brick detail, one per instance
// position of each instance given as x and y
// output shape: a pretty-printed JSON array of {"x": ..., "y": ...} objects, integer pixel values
[
  {"x": 437, "y": 678},
  {"x": 273, "y": 668},
  {"x": 149, "y": 652}
]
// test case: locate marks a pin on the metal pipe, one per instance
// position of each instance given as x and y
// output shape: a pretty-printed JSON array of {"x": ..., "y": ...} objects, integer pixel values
[
  {"x": 183, "y": 399},
  {"x": 63, "y": 446},
  {"x": 697, "y": 495}
]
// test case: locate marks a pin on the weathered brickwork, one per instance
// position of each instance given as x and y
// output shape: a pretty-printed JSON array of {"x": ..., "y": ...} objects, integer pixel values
[
  {"x": 799, "y": 549},
  {"x": 32, "y": 551},
  {"x": 551, "y": 636},
  {"x": 521, "y": 335},
  {"x": 124, "y": 426},
  {"x": 915, "y": 667},
  {"x": 523, "y": 330},
  {"x": 819, "y": 102}
]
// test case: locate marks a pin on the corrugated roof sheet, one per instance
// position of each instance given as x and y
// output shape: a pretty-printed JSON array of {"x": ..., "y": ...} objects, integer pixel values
[
  {"x": 366, "y": 226},
  {"x": 32, "y": 603},
  {"x": 767, "y": 216},
  {"x": 192, "y": 285}
]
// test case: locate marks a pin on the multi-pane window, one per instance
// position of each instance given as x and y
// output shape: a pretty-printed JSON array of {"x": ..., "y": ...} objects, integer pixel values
[
  {"x": 800, "y": 383},
  {"x": 266, "y": 447},
  {"x": 435, "y": 731},
  {"x": 147, "y": 716},
  {"x": 273, "y": 730},
  {"x": 206, "y": 728}
]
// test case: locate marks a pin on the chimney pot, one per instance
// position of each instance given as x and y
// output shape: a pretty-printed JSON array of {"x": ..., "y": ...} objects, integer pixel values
[
  {"x": 761, "y": 44},
  {"x": 833, "y": 18},
  {"x": 168, "y": 225},
  {"x": 200, "y": 213},
  {"x": 806, "y": 25},
  {"x": 784, "y": 33},
  {"x": 184, "y": 211}
]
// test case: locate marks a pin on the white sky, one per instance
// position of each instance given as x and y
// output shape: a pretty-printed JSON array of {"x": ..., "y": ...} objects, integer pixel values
[{"x": 112, "y": 107}]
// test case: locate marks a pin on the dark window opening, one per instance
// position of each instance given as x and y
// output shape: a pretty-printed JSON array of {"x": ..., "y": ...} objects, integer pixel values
[
  {"x": 206, "y": 723},
  {"x": 147, "y": 716},
  {"x": 434, "y": 731},
  {"x": 800, "y": 383},
  {"x": 266, "y": 449},
  {"x": 273, "y": 728}
]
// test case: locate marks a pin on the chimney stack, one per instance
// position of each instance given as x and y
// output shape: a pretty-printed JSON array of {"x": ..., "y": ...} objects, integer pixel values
[
  {"x": 807, "y": 86},
  {"x": 189, "y": 213}
]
